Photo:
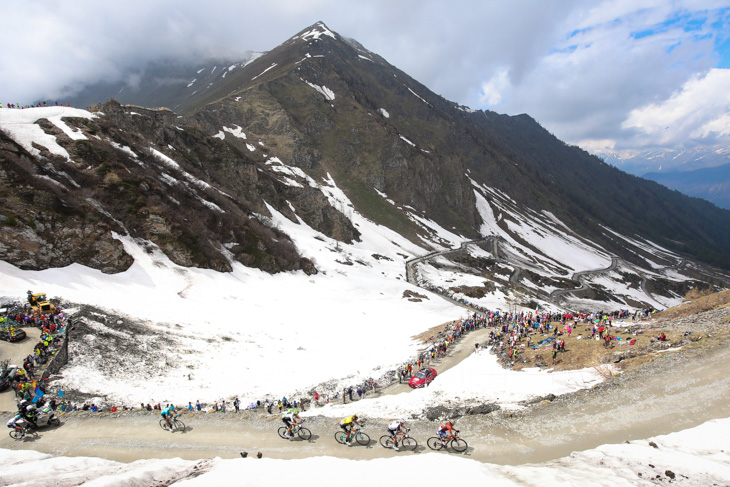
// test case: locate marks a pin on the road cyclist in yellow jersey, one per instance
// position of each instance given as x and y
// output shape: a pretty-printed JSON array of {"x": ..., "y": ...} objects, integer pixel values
[{"x": 346, "y": 425}]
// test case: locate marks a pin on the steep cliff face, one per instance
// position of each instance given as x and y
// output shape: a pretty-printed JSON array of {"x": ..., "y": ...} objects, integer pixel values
[
  {"x": 42, "y": 225},
  {"x": 153, "y": 176}
]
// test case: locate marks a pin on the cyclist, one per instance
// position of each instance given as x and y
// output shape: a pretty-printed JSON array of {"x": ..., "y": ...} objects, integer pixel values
[
  {"x": 167, "y": 415},
  {"x": 395, "y": 427},
  {"x": 290, "y": 418},
  {"x": 446, "y": 431},
  {"x": 346, "y": 425},
  {"x": 17, "y": 423}
]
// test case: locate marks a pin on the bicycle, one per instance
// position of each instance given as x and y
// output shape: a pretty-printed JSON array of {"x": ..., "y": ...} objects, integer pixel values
[
  {"x": 176, "y": 424},
  {"x": 24, "y": 430},
  {"x": 456, "y": 443},
  {"x": 356, "y": 435},
  {"x": 296, "y": 430},
  {"x": 404, "y": 443}
]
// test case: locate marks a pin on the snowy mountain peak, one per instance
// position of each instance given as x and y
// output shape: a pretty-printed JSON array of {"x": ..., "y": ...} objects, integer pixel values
[
  {"x": 314, "y": 32},
  {"x": 667, "y": 159},
  {"x": 312, "y": 132}
]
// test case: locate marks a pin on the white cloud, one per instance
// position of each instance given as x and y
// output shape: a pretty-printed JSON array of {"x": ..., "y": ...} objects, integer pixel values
[
  {"x": 492, "y": 90},
  {"x": 597, "y": 146},
  {"x": 603, "y": 64},
  {"x": 719, "y": 126},
  {"x": 699, "y": 109}
]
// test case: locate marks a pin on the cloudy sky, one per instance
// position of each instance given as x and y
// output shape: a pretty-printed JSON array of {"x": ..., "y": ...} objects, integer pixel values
[{"x": 622, "y": 74}]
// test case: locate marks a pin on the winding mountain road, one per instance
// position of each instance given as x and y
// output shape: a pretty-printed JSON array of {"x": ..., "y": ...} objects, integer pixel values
[
  {"x": 679, "y": 390},
  {"x": 556, "y": 297},
  {"x": 578, "y": 276}
]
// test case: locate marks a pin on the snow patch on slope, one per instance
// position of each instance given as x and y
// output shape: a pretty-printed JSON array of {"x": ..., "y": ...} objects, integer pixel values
[
  {"x": 20, "y": 125},
  {"x": 326, "y": 92}
]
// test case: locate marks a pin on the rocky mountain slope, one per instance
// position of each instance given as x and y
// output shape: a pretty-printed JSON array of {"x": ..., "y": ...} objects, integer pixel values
[
  {"x": 342, "y": 110},
  {"x": 316, "y": 115}
]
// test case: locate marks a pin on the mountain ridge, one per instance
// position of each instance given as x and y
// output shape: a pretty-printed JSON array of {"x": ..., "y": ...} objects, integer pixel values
[
  {"x": 709, "y": 183},
  {"x": 315, "y": 130}
]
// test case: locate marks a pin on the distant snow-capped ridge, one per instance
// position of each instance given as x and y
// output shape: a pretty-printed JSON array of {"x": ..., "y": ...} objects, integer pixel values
[{"x": 667, "y": 159}]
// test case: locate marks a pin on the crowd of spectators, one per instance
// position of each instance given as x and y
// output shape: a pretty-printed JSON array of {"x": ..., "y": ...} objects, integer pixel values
[
  {"x": 39, "y": 104},
  {"x": 24, "y": 380}
]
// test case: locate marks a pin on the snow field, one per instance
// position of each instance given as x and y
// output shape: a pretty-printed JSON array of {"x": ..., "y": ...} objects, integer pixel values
[
  {"x": 696, "y": 457},
  {"x": 479, "y": 379}
]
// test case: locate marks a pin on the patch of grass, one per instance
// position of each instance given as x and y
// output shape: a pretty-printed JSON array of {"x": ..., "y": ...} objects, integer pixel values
[
  {"x": 10, "y": 221},
  {"x": 373, "y": 206},
  {"x": 585, "y": 352},
  {"x": 698, "y": 301}
]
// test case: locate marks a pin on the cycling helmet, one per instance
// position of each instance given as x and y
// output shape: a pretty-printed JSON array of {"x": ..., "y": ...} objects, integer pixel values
[
  {"x": 23, "y": 403},
  {"x": 354, "y": 416},
  {"x": 402, "y": 421},
  {"x": 296, "y": 411}
]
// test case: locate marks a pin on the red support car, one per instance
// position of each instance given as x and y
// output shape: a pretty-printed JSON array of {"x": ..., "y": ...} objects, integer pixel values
[{"x": 423, "y": 377}]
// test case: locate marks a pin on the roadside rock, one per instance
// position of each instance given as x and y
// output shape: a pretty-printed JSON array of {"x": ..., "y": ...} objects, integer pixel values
[
  {"x": 483, "y": 408},
  {"x": 538, "y": 400},
  {"x": 440, "y": 412}
]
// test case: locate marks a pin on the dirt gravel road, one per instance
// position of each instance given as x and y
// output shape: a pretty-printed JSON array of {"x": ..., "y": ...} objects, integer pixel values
[
  {"x": 16, "y": 353},
  {"x": 678, "y": 390}
]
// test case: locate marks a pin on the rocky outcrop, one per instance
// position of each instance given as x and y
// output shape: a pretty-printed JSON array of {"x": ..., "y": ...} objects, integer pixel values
[
  {"x": 153, "y": 176},
  {"x": 437, "y": 413}
]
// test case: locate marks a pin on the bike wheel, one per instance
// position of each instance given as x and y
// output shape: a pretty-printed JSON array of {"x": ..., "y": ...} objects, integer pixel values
[
  {"x": 362, "y": 438},
  {"x": 16, "y": 435},
  {"x": 458, "y": 445},
  {"x": 178, "y": 425},
  {"x": 304, "y": 433},
  {"x": 408, "y": 444},
  {"x": 282, "y": 432},
  {"x": 386, "y": 441},
  {"x": 162, "y": 424},
  {"x": 434, "y": 443},
  {"x": 340, "y": 437}
]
